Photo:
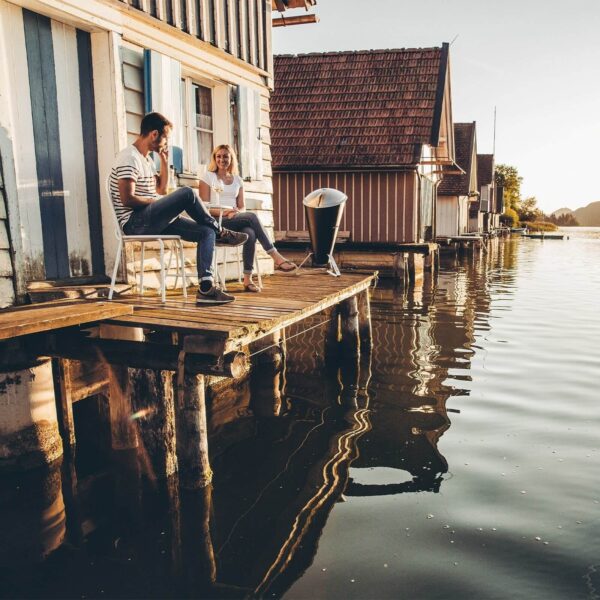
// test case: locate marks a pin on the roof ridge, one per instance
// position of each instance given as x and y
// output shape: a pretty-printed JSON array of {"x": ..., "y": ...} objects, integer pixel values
[{"x": 365, "y": 51}]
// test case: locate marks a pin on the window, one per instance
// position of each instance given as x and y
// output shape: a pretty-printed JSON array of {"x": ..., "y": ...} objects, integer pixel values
[
  {"x": 203, "y": 122},
  {"x": 198, "y": 120}
]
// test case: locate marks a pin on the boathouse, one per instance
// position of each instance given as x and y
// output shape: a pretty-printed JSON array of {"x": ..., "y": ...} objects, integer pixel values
[
  {"x": 375, "y": 124},
  {"x": 458, "y": 190},
  {"x": 487, "y": 216}
]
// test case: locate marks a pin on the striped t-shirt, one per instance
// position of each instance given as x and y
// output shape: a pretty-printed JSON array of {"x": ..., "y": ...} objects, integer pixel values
[{"x": 131, "y": 164}]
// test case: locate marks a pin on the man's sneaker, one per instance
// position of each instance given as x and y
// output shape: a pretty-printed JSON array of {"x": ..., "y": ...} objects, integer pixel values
[
  {"x": 231, "y": 238},
  {"x": 213, "y": 296}
]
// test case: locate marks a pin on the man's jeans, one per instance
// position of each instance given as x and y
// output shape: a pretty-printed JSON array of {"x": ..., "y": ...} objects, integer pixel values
[{"x": 163, "y": 216}]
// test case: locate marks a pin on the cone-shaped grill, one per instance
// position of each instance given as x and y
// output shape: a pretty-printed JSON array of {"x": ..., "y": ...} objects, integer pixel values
[{"x": 324, "y": 209}]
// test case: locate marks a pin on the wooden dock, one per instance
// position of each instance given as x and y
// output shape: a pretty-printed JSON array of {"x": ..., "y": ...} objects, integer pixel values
[{"x": 95, "y": 344}]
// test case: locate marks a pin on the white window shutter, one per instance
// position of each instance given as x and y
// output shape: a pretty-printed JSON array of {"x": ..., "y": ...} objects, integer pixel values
[
  {"x": 257, "y": 132},
  {"x": 249, "y": 133},
  {"x": 162, "y": 76},
  {"x": 485, "y": 199}
]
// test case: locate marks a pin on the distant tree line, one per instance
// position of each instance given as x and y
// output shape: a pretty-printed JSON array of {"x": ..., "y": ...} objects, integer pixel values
[{"x": 524, "y": 211}]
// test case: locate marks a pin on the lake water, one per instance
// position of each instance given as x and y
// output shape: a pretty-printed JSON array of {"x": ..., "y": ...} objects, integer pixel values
[{"x": 462, "y": 462}]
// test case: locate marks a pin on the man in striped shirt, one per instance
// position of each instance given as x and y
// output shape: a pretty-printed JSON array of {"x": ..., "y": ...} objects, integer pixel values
[{"x": 136, "y": 192}]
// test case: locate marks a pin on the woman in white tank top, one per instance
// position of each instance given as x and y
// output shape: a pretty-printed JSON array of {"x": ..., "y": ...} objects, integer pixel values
[{"x": 222, "y": 176}]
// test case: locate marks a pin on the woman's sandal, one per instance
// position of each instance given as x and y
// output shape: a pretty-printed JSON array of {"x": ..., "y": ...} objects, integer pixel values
[
  {"x": 252, "y": 287},
  {"x": 291, "y": 269}
]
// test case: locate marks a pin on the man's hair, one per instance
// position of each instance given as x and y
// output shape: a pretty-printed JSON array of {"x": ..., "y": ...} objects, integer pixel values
[{"x": 154, "y": 121}]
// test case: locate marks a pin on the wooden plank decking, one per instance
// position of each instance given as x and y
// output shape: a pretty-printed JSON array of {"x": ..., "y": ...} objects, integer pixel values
[
  {"x": 284, "y": 300},
  {"x": 25, "y": 320}
]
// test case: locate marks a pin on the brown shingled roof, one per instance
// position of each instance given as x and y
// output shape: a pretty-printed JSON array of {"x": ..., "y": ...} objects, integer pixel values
[
  {"x": 348, "y": 109},
  {"x": 464, "y": 139},
  {"x": 485, "y": 169}
]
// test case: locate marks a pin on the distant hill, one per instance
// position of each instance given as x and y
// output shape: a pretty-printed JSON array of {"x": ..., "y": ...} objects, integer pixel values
[
  {"x": 588, "y": 216},
  {"x": 562, "y": 211}
]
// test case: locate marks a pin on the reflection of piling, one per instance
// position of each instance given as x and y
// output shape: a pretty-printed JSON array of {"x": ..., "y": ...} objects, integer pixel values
[
  {"x": 364, "y": 321},
  {"x": 199, "y": 567},
  {"x": 32, "y": 515},
  {"x": 29, "y": 433}
]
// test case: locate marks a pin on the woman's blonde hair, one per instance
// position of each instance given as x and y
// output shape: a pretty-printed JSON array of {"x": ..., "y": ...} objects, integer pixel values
[{"x": 233, "y": 165}]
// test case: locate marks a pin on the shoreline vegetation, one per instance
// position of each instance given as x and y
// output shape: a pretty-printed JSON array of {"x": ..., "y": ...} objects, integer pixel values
[{"x": 538, "y": 226}]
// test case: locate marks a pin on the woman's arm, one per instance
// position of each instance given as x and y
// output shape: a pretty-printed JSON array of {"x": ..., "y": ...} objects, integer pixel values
[
  {"x": 204, "y": 192},
  {"x": 240, "y": 202}
]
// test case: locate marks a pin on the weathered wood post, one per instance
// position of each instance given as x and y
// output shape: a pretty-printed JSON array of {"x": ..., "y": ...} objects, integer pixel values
[
  {"x": 192, "y": 434},
  {"x": 364, "y": 321},
  {"x": 122, "y": 428},
  {"x": 29, "y": 432},
  {"x": 349, "y": 328},
  {"x": 332, "y": 337},
  {"x": 401, "y": 268},
  {"x": 153, "y": 399},
  {"x": 268, "y": 363}
]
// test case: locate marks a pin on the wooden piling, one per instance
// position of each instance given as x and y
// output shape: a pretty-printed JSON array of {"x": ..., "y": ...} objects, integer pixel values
[
  {"x": 350, "y": 328},
  {"x": 192, "y": 434},
  {"x": 153, "y": 406},
  {"x": 364, "y": 321},
  {"x": 265, "y": 377},
  {"x": 332, "y": 337}
]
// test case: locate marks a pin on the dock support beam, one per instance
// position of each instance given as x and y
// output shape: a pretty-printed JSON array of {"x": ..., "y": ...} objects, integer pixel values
[
  {"x": 192, "y": 434},
  {"x": 364, "y": 321},
  {"x": 265, "y": 375},
  {"x": 350, "y": 328}
]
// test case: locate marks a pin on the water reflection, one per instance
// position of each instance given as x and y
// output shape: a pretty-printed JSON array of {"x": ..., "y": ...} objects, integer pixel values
[{"x": 320, "y": 466}]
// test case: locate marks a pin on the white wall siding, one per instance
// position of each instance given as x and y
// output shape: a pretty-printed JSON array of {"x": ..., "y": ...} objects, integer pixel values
[
  {"x": 21, "y": 127},
  {"x": 446, "y": 218},
  {"x": 71, "y": 146}
]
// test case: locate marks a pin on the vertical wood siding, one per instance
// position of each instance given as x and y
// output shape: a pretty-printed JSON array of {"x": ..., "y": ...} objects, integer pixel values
[
  {"x": 240, "y": 27},
  {"x": 64, "y": 39},
  {"x": 90, "y": 148},
  {"x": 56, "y": 159},
  {"x": 380, "y": 208},
  {"x": 46, "y": 133},
  {"x": 23, "y": 144}
]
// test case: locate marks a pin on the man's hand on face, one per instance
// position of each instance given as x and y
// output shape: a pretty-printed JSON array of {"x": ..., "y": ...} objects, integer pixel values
[{"x": 163, "y": 153}]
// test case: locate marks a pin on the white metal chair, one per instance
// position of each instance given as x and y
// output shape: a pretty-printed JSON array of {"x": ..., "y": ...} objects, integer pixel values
[
  {"x": 220, "y": 277},
  {"x": 176, "y": 245}
]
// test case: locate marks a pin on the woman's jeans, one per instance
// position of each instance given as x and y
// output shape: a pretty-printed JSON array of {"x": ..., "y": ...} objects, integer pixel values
[
  {"x": 249, "y": 223},
  {"x": 163, "y": 216}
]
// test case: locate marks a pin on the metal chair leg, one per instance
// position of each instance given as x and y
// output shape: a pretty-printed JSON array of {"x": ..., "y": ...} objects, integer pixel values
[
  {"x": 257, "y": 269},
  {"x": 142, "y": 270},
  {"x": 163, "y": 283},
  {"x": 115, "y": 270},
  {"x": 171, "y": 247},
  {"x": 182, "y": 264},
  {"x": 224, "y": 271},
  {"x": 238, "y": 253}
]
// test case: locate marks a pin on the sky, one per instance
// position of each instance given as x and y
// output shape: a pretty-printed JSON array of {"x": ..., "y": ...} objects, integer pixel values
[{"x": 536, "y": 61}]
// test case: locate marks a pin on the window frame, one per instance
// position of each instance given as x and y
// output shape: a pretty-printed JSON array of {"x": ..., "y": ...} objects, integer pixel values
[{"x": 191, "y": 158}]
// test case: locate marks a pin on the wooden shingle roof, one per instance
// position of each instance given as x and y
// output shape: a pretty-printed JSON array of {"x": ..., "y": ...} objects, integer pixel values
[
  {"x": 485, "y": 169},
  {"x": 356, "y": 109},
  {"x": 464, "y": 140}
]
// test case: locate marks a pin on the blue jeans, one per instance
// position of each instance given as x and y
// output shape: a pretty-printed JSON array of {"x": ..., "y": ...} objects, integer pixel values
[
  {"x": 249, "y": 223},
  {"x": 163, "y": 216}
]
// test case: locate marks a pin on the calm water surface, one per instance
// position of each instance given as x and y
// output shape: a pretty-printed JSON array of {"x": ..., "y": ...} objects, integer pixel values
[{"x": 462, "y": 462}]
